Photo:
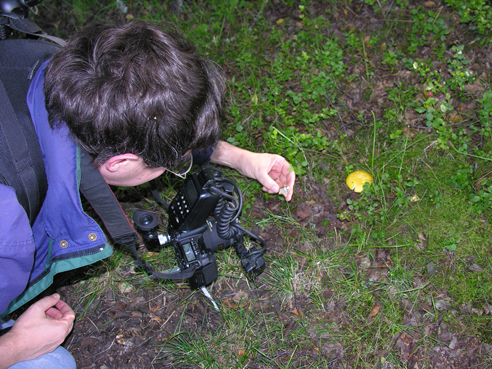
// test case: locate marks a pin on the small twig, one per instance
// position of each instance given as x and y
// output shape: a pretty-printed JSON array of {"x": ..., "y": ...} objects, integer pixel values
[
  {"x": 170, "y": 315},
  {"x": 340, "y": 91},
  {"x": 438, "y": 13},
  {"x": 102, "y": 352},
  {"x": 389, "y": 9}
]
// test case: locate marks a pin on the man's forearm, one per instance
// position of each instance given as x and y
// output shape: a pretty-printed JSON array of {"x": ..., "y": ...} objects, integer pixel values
[
  {"x": 229, "y": 155},
  {"x": 10, "y": 351}
]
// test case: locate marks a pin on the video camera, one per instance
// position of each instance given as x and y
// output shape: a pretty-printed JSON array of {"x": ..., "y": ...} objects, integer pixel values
[{"x": 203, "y": 219}]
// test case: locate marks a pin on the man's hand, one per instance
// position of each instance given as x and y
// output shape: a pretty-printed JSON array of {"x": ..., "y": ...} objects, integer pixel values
[
  {"x": 38, "y": 331},
  {"x": 272, "y": 171}
]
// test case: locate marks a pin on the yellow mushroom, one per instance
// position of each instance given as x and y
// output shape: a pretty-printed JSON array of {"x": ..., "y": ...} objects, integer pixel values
[{"x": 355, "y": 180}]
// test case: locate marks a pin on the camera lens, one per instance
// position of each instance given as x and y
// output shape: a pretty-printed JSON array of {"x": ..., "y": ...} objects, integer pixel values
[
  {"x": 147, "y": 224},
  {"x": 145, "y": 221}
]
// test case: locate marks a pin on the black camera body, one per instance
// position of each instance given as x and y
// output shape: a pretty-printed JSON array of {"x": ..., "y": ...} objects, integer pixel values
[{"x": 202, "y": 219}]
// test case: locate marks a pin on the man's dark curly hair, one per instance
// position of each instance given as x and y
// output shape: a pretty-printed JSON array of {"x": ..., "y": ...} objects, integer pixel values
[{"x": 134, "y": 89}]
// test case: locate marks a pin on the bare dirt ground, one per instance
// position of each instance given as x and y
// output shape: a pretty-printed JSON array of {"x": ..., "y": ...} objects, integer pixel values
[{"x": 129, "y": 325}]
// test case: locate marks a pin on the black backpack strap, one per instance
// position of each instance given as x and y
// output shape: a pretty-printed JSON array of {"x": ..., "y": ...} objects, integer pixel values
[
  {"x": 21, "y": 164},
  {"x": 97, "y": 192},
  {"x": 17, "y": 146}
]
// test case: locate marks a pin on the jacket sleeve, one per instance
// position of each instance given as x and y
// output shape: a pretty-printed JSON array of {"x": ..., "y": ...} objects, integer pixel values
[{"x": 16, "y": 247}]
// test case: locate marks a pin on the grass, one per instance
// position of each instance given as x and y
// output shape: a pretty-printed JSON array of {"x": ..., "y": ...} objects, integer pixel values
[{"x": 403, "y": 101}]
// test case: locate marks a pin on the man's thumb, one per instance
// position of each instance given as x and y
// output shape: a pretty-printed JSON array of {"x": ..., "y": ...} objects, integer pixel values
[{"x": 49, "y": 301}]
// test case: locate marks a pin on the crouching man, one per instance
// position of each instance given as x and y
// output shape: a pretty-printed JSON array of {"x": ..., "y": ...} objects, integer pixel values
[{"x": 139, "y": 101}]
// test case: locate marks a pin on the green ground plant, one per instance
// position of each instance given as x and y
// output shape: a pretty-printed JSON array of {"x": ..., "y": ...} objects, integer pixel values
[{"x": 477, "y": 12}]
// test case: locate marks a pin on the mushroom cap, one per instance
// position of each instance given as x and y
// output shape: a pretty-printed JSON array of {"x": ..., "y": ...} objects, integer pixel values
[{"x": 355, "y": 180}]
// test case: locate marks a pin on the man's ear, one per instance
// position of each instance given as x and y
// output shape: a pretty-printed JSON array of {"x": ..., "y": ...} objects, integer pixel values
[{"x": 118, "y": 162}]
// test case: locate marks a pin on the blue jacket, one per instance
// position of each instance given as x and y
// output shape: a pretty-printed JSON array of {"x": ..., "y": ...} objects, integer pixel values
[{"x": 63, "y": 237}]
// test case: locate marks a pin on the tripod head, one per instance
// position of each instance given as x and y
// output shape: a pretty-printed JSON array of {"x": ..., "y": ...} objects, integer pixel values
[{"x": 14, "y": 16}]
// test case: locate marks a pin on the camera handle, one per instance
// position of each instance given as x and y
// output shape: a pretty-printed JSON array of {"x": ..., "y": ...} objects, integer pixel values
[
  {"x": 251, "y": 260},
  {"x": 226, "y": 214}
]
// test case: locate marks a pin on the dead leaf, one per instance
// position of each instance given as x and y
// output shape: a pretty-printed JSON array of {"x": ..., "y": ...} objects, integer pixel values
[
  {"x": 282, "y": 316},
  {"x": 157, "y": 319},
  {"x": 408, "y": 131},
  {"x": 303, "y": 210},
  {"x": 296, "y": 312},
  {"x": 431, "y": 268},
  {"x": 374, "y": 312},
  {"x": 475, "y": 88},
  {"x": 486, "y": 309},
  {"x": 476, "y": 311},
  {"x": 125, "y": 287},
  {"x": 405, "y": 343},
  {"x": 478, "y": 185},
  {"x": 365, "y": 263},
  {"x": 230, "y": 304},
  {"x": 280, "y": 21},
  {"x": 151, "y": 254},
  {"x": 476, "y": 268},
  {"x": 430, "y": 4},
  {"x": 233, "y": 305},
  {"x": 456, "y": 118},
  {"x": 367, "y": 38},
  {"x": 442, "y": 304}
]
